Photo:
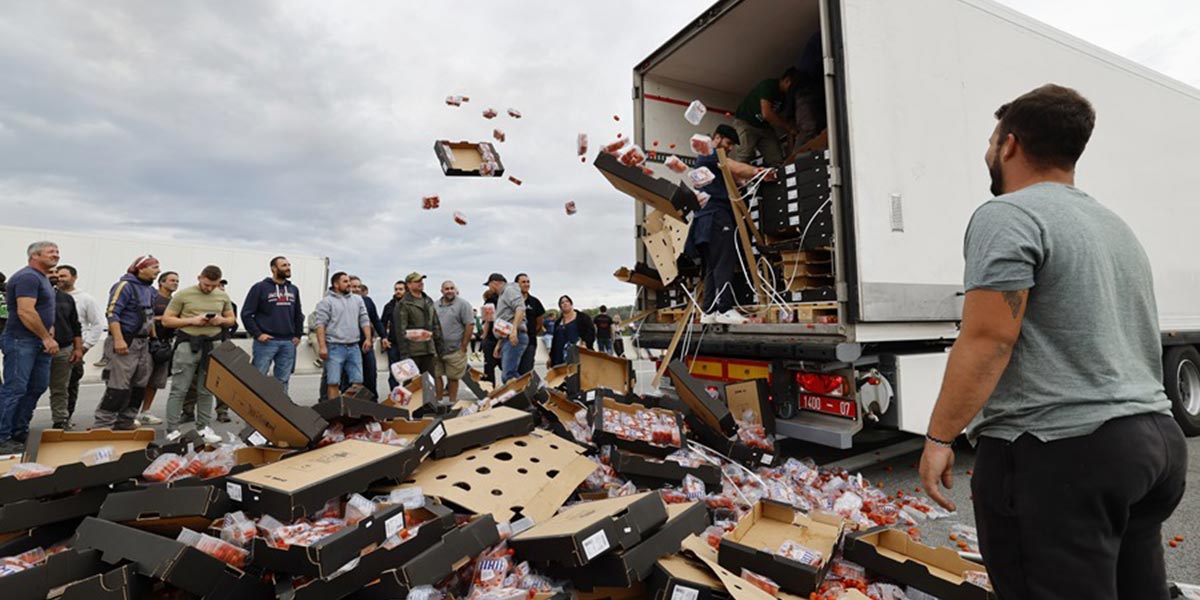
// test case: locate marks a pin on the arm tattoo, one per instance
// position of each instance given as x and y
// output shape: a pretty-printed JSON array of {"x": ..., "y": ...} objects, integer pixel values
[{"x": 1014, "y": 300}]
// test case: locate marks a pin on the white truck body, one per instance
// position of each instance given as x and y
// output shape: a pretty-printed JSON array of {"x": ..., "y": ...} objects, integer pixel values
[{"x": 911, "y": 89}]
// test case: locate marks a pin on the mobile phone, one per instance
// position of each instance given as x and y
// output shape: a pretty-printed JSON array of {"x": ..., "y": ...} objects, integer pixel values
[{"x": 210, "y": 316}]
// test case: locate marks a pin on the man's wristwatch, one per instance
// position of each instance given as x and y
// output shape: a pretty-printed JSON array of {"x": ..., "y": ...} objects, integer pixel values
[{"x": 937, "y": 442}]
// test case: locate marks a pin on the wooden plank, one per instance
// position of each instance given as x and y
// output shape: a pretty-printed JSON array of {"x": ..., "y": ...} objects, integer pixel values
[
  {"x": 731, "y": 187},
  {"x": 683, "y": 323}
]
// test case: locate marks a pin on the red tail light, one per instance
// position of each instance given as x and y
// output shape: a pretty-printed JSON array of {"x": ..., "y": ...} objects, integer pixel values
[{"x": 819, "y": 384}]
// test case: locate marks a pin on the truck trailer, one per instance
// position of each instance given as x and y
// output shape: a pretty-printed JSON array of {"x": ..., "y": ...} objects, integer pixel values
[{"x": 861, "y": 336}]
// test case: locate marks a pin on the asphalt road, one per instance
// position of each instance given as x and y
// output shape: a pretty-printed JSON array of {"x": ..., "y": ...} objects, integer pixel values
[{"x": 896, "y": 473}]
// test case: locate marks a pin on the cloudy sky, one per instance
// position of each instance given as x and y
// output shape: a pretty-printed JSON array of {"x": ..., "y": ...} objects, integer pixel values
[{"x": 308, "y": 127}]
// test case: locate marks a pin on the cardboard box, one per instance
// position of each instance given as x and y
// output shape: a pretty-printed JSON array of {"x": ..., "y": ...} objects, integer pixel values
[
  {"x": 300, "y": 485},
  {"x": 165, "y": 559},
  {"x": 735, "y": 586},
  {"x": 121, "y": 583},
  {"x": 58, "y": 570},
  {"x": 579, "y": 534},
  {"x": 559, "y": 410},
  {"x": 260, "y": 400},
  {"x": 28, "y": 514},
  {"x": 602, "y": 437},
  {"x": 483, "y": 428},
  {"x": 935, "y": 571},
  {"x": 626, "y": 568},
  {"x": 658, "y": 193},
  {"x": 600, "y": 370},
  {"x": 424, "y": 398},
  {"x": 676, "y": 577},
  {"x": 133, "y": 451},
  {"x": 44, "y": 536},
  {"x": 654, "y": 472},
  {"x": 244, "y": 459},
  {"x": 525, "y": 387},
  {"x": 457, "y": 548},
  {"x": 166, "y": 510},
  {"x": 732, "y": 447},
  {"x": 331, "y": 553},
  {"x": 562, "y": 377},
  {"x": 694, "y": 392},
  {"x": 463, "y": 159},
  {"x": 435, "y": 523},
  {"x": 529, "y": 476},
  {"x": 769, "y": 525},
  {"x": 634, "y": 592},
  {"x": 348, "y": 408}
]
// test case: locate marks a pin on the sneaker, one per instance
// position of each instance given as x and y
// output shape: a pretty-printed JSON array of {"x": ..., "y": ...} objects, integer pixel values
[
  {"x": 12, "y": 447},
  {"x": 137, "y": 421},
  {"x": 224, "y": 418},
  {"x": 730, "y": 317},
  {"x": 173, "y": 435},
  {"x": 103, "y": 362},
  {"x": 210, "y": 436},
  {"x": 59, "y": 425},
  {"x": 149, "y": 419},
  {"x": 20, "y": 438},
  {"x": 709, "y": 318}
]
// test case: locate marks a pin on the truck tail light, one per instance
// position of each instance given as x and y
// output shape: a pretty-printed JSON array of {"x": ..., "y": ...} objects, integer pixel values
[{"x": 817, "y": 383}]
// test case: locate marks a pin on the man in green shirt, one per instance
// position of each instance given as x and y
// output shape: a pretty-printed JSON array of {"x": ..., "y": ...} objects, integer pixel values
[
  {"x": 756, "y": 120},
  {"x": 199, "y": 315}
]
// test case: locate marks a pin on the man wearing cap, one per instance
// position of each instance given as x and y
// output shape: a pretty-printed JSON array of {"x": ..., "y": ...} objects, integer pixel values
[
  {"x": 713, "y": 230},
  {"x": 510, "y": 314},
  {"x": 130, "y": 314},
  {"x": 340, "y": 320},
  {"x": 416, "y": 312},
  {"x": 201, "y": 316}
]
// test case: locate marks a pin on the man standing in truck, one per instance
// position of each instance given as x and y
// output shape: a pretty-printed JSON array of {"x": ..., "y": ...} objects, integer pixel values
[
  {"x": 757, "y": 119},
  {"x": 1056, "y": 375},
  {"x": 711, "y": 236}
]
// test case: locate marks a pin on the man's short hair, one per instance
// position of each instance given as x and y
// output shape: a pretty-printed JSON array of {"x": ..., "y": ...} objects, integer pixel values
[
  {"x": 36, "y": 248},
  {"x": 163, "y": 276},
  {"x": 277, "y": 259},
  {"x": 211, "y": 273},
  {"x": 603, "y": 308},
  {"x": 520, "y": 275},
  {"x": 336, "y": 276},
  {"x": 1052, "y": 123},
  {"x": 791, "y": 74},
  {"x": 355, "y": 278},
  {"x": 72, "y": 270}
]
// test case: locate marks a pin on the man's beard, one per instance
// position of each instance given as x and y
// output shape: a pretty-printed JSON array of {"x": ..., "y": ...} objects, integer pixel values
[{"x": 997, "y": 174}]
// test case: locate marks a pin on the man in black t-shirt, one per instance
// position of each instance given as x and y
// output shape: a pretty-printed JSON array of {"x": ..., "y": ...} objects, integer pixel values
[
  {"x": 534, "y": 313},
  {"x": 604, "y": 331}
]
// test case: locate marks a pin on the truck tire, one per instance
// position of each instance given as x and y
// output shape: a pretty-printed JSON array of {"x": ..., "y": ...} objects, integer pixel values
[{"x": 1181, "y": 377}]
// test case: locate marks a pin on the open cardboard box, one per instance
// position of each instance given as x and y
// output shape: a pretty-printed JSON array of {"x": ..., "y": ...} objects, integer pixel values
[
  {"x": 483, "y": 428},
  {"x": 44, "y": 536},
  {"x": 628, "y": 567},
  {"x": 59, "y": 570},
  {"x": 463, "y": 159},
  {"x": 654, "y": 472},
  {"x": 525, "y": 387},
  {"x": 301, "y": 484},
  {"x": 166, "y": 510},
  {"x": 936, "y": 571},
  {"x": 563, "y": 377},
  {"x": 28, "y": 514},
  {"x": 712, "y": 411},
  {"x": 456, "y": 549},
  {"x": 424, "y": 397},
  {"x": 168, "y": 560},
  {"x": 735, "y": 586},
  {"x": 559, "y": 410},
  {"x": 528, "y": 476},
  {"x": 600, "y": 370},
  {"x": 658, "y": 193},
  {"x": 435, "y": 522},
  {"x": 324, "y": 557},
  {"x": 750, "y": 395},
  {"x": 350, "y": 408},
  {"x": 602, "y": 437},
  {"x": 121, "y": 583},
  {"x": 260, "y": 400},
  {"x": 245, "y": 459},
  {"x": 133, "y": 451},
  {"x": 677, "y": 577},
  {"x": 769, "y": 525},
  {"x": 579, "y": 534}
]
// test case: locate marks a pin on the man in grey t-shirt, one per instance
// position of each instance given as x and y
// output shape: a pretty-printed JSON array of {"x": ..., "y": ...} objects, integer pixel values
[
  {"x": 454, "y": 314},
  {"x": 510, "y": 309},
  {"x": 1056, "y": 375}
]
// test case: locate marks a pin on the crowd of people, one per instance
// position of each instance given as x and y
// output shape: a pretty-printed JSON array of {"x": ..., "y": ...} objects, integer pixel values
[{"x": 155, "y": 334}]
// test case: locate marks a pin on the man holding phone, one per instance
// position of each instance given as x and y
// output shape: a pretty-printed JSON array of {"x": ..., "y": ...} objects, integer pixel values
[{"x": 199, "y": 314}]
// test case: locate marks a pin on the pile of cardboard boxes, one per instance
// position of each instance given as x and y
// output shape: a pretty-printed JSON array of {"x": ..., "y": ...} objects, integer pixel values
[{"x": 545, "y": 488}]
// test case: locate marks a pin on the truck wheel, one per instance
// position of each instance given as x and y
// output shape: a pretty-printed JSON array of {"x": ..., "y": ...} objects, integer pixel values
[{"x": 1181, "y": 377}]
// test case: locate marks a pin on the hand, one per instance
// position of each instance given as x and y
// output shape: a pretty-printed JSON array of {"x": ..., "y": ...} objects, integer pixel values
[
  {"x": 295, "y": 341},
  {"x": 512, "y": 337},
  {"x": 496, "y": 352},
  {"x": 387, "y": 344},
  {"x": 323, "y": 353},
  {"x": 199, "y": 321},
  {"x": 771, "y": 175},
  {"x": 368, "y": 344},
  {"x": 49, "y": 346},
  {"x": 120, "y": 347},
  {"x": 264, "y": 338},
  {"x": 76, "y": 356},
  {"x": 937, "y": 463}
]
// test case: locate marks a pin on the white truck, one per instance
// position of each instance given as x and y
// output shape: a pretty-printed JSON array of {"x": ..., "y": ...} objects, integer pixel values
[
  {"x": 910, "y": 91},
  {"x": 102, "y": 259}
]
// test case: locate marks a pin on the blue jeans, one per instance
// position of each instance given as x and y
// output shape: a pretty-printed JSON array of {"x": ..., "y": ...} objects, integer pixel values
[
  {"x": 510, "y": 356},
  {"x": 605, "y": 345},
  {"x": 26, "y": 377},
  {"x": 282, "y": 352},
  {"x": 346, "y": 357}
]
